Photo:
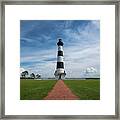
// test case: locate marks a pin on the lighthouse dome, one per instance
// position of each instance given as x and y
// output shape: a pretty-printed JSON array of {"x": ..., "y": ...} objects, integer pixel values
[{"x": 60, "y": 42}]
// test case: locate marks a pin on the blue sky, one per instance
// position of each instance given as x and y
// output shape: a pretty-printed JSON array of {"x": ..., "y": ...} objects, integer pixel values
[{"x": 38, "y": 49}]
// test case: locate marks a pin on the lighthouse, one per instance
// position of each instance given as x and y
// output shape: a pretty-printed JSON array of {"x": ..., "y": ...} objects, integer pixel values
[{"x": 60, "y": 72}]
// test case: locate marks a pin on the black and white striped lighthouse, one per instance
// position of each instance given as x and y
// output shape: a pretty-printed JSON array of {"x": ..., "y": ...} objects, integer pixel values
[{"x": 60, "y": 72}]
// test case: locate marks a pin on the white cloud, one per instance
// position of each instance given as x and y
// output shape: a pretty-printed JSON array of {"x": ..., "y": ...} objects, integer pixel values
[
  {"x": 91, "y": 70},
  {"x": 22, "y": 70}
]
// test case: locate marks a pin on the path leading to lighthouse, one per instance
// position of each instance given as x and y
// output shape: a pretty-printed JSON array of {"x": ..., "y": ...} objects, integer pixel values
[{"x": 61, "y": 92}]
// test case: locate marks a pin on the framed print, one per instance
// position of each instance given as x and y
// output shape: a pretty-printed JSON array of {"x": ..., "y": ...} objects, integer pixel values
[{"x": 60, "y": 59}]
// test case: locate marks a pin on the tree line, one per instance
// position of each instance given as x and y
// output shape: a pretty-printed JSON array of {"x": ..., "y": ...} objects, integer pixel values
[{"x": 25, "y": 74}]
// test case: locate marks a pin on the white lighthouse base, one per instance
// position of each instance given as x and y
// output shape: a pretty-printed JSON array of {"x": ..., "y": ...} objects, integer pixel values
[{"x": 60, "y": 73}]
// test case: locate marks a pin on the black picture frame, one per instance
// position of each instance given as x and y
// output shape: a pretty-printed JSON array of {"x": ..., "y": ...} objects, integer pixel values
[{"x": 55, "y": 2}]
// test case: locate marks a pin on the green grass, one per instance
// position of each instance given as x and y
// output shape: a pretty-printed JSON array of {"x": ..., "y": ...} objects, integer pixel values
[
  {"x": 35, "y": 89},
  {"x": 38, "y": 89},
  {"x": 85, "y": 89}
]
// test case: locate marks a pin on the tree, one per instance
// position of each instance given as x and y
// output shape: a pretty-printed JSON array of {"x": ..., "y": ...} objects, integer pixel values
[
  {"x": 32, "y": 75},
  {"x": 23, "y": 74},
  {"x": 38, "y": 76},
  {"x": 26, "y": 73}
]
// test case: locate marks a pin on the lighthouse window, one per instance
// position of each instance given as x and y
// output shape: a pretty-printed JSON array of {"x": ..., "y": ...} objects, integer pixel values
[
  {"x": 60, "y": 65},
  {"x": 60, "y": 53}
]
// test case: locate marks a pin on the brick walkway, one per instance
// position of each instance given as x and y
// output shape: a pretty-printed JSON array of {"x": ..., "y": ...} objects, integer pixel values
[{"x": 60, "y": 92}]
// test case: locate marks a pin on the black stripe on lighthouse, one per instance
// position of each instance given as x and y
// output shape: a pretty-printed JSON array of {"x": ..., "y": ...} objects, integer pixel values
[
  {"x": 60, "y": 53},
  {"x": 60, "y": 65}
]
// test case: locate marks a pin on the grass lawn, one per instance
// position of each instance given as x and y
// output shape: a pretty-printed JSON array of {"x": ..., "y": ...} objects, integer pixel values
[
  {"x": 35, "y": 89},
  {"x": 85, "y": 89}
]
